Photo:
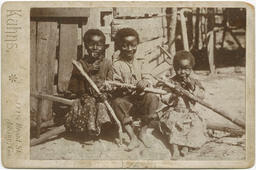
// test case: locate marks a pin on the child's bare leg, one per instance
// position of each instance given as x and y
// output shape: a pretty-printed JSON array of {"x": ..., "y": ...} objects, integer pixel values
[
  {"x": 184, "y": 151},
  {"x": 134, "y": 142},
  {"x": 143, "y": 136},
  {"x": 175, "y": 151}
]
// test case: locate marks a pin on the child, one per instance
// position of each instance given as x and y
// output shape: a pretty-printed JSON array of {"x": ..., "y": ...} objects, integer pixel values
[
  {"x": 183, "y": 126},
  {"x": 126, "y": 103},
  {"x": 91, "y": 113}
]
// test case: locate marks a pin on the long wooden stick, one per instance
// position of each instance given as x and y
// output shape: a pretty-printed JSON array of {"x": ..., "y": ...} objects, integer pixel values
[
  {"x": 53, "y": 98},
  {"x": 130, "y": 86},
  {"x": 93, "y": 85},
  {"x": 237, "y": 121}
]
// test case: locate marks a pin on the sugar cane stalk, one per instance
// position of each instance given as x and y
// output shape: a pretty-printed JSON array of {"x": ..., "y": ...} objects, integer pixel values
[
  {"x": 93, "y": 85},
  {"x": 130, "y": 86},
  {"x": 237, "y": 121}
]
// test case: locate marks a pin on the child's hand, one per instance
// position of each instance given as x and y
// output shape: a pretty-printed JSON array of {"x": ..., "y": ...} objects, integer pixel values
[
  {"x": 142, "y": 84},
  {"x": 189, "y": 84},
  {"x": 95, "y": 66}
]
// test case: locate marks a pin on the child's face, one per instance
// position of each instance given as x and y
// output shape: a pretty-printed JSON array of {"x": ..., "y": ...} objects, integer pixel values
[
  {"x": 129, "y": 47},
  {"x": 184, "y": 69},
  {"x": 95, "y": 46}
]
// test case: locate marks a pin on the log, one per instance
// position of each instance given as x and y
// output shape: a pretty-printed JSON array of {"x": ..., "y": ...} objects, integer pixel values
[
  {"x": 44, "y": 137},
  {"x": 231, "y": 130},
  {"x": 46, "y": 124},
  {"x": 54, "y": 98}
]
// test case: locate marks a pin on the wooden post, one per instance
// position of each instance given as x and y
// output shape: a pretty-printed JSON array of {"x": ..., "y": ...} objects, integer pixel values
[
  {"x": 184, "y": 30},
  {"x": 211, "y": 43},
  {"x": 197, "y": 26},
  {"x": 38, "y": 117},
  {"x": 171, "y": 18}
]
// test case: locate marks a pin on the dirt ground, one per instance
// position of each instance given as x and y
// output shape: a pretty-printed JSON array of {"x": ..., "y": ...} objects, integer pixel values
[{"x": 225, "y": 90}]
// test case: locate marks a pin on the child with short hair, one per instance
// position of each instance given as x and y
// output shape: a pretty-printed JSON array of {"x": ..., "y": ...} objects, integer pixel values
[
  {"x": 183, "y": 126},
  {"x": 127, "y": 104},
  {"x": 91, "y": 113}
]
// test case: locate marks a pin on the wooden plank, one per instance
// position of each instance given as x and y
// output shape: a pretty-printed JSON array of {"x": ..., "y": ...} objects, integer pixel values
[
  {"x": 68, "y": 52},
  {"x": 46, "y": 54},
  {"x": 33, "y": 101},
  {"x": 60, "y": 12}
]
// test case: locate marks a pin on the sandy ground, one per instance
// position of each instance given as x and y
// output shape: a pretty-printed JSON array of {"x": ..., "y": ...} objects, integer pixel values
[{"x": 224, "y": 90}]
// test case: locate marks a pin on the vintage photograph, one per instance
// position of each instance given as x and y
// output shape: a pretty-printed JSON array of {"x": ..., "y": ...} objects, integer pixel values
[{"x": 120, "y": 83}]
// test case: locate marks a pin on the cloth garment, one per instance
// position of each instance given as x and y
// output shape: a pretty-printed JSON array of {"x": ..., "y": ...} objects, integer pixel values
[
  {"x": 179, "y": 122},
  {"x": 135, "y": 106},
  {"x": 127, "y": 103},
  {"x": 90, "y": 114}
]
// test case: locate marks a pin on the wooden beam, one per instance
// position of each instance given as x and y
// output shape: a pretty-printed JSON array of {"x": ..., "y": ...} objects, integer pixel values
[
  {"x": 60, "y": 12},
  {"x": 53, "y": 98}
]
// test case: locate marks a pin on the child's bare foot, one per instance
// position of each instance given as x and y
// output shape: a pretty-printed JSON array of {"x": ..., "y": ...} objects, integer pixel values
[
  {"x": 184, "y": 151},
  {"x": 133, "y": 144},
  {"x": 175, "y": 152},
  {"x": 144, "y": 137}
]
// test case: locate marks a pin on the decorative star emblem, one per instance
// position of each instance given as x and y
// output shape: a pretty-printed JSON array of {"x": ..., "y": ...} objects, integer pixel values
[{"x": 13, "y": 78}]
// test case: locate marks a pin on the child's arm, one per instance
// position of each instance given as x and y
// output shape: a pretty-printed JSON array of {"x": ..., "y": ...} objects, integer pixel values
[{"x": 196, "y": 88}]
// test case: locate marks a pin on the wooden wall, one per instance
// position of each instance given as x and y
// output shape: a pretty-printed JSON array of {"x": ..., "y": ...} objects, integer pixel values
[
  {"x": 150, "y": 23},
  {"x": 55, "y": 42}
]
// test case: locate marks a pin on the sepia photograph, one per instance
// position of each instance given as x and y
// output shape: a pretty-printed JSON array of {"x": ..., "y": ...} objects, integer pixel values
[
  {"x": 121, "y": 83},
  {"x": 130, "y": 84}
]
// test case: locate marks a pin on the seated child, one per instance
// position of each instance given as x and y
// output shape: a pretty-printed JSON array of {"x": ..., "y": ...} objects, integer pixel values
[
  {"x": 183, "y": 126},
  {"x": 127, "y": 104},
  {"x": 91, "y": 113}
]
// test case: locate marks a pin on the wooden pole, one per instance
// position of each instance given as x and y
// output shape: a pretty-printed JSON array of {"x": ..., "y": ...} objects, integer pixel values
[
  {"x": 93, "y": 85},
  {"x": 130, "y": 86},
  {"x": 53, "y": 98},
  {"x": 171, "y": 18},
  {"x": 237, "y": 121},
  {"x": 211, "y": 43},
  {"x": 184, "y": 29},
  {"x": 197, "y": 28}
]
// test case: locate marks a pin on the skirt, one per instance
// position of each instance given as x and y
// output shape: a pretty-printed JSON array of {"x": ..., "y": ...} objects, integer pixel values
[
  {"x": 88, "y": 117},
  {"x": 184, "y": 128}
]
